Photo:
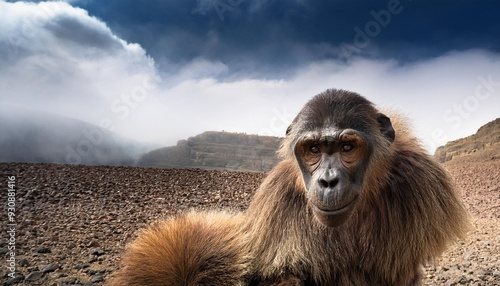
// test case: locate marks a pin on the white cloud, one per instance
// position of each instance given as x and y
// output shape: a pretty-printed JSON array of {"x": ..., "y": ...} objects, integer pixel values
[
  {"x": 57, "y": 58},
  {"x": 438, "y": 95}
]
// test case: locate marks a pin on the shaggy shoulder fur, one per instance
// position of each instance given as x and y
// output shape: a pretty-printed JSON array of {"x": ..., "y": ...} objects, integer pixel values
[{"x": 192, "y": 249}]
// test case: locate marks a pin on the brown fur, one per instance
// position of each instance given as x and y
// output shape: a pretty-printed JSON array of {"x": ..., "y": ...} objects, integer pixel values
[
  {"x": 193, "y": 249},
  {"x": 409, "y": 211}
]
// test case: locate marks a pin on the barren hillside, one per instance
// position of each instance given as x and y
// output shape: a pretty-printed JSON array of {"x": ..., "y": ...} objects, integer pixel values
[
  {"x": 217, "y": 150},
  {"x": 486, "y": 141}
]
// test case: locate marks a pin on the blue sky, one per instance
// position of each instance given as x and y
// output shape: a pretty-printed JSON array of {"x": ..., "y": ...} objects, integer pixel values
[{"x": 160, "y": 71}]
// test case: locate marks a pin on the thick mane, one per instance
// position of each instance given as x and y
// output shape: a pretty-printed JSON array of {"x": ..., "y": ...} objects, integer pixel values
[
  {"x": 416, "y": 214},
  {"x": 408, "y": 213}
]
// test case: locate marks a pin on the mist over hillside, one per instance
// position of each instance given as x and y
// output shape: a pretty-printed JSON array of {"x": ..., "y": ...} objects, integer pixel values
[
  {"x": 32, "y": 136},
  {"x": 38, "y": 137}
]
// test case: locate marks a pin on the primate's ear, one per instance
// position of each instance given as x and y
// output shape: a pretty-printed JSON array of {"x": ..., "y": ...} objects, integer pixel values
[{"x": 386, "y": 127}]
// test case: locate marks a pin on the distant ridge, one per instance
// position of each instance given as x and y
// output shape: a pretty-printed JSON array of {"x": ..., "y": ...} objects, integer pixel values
[
  {"x": 217, "y": 150},
  {"x": 484, "y": 145}
]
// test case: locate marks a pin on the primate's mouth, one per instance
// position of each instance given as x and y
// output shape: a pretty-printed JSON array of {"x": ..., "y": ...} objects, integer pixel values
[
  {"x": 338, "y": 210},
  {"x": 334, "y": 217}
]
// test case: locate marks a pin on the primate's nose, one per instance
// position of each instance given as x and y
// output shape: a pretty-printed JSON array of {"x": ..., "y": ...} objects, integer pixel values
[{"x": 329, "y": 179}]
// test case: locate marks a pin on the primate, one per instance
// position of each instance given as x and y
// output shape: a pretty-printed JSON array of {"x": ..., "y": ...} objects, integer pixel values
[{"x": 355, "y": 201}]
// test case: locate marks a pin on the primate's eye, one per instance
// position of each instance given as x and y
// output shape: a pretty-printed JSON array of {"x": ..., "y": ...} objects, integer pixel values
[
  {"x": 315, "y": 149},
  {"x": 347, "y": 147}
]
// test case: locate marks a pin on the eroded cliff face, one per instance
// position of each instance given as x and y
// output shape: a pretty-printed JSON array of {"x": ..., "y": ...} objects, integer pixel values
[
  {"x": 486, "y": 142},
  {"x": 217, "y": 150}
]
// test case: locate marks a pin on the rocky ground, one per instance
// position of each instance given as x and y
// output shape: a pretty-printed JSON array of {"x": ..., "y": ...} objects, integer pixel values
[
  {"x": 73, "y": 222},
  {"x": 475, "y": 261}
]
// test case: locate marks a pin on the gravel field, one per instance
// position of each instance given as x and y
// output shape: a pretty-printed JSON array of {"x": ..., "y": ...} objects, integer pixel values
[{"x": 73, "y": 222}]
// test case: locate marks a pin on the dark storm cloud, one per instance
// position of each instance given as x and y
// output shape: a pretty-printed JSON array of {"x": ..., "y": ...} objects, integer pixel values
[
  {"x": 276, "y": 35},
  {"x": 65, "y": 27}
]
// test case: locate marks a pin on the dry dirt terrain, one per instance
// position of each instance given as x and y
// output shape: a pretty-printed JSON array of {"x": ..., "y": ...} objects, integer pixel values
[{"x": 73, "y": 222}]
